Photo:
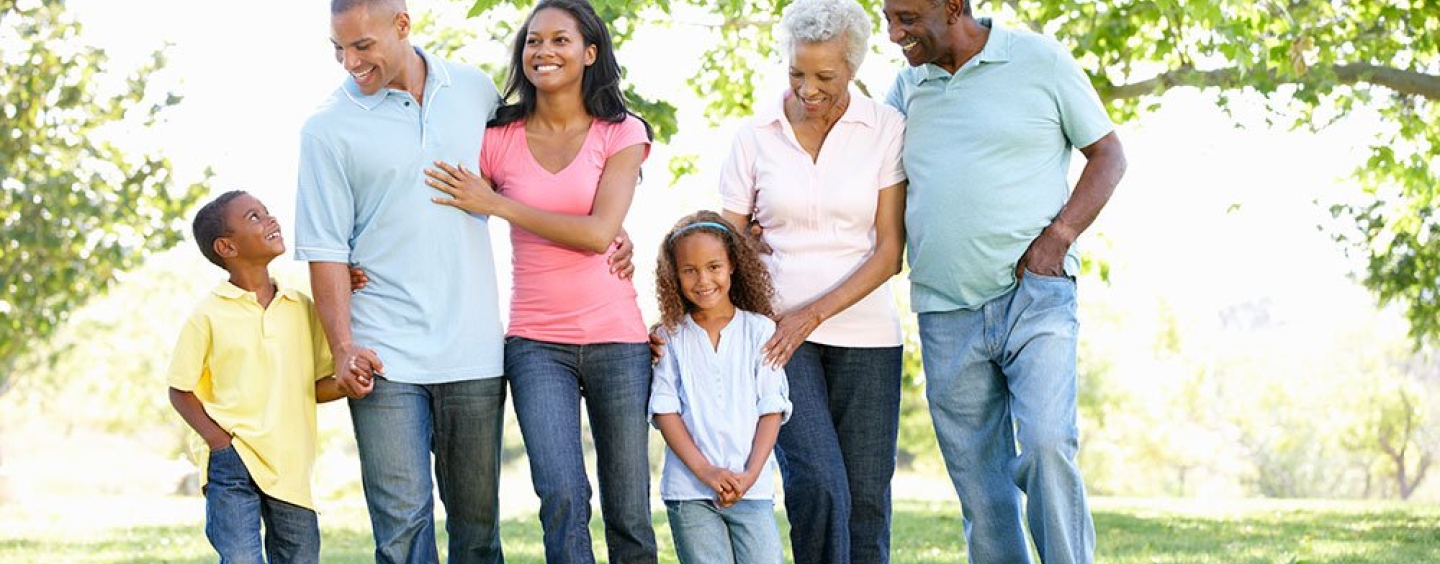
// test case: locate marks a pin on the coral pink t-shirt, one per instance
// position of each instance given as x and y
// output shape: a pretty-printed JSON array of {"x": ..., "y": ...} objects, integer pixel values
[{"x": 561, "y": 294}]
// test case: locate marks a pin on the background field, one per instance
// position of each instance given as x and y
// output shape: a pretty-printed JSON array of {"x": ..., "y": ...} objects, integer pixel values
[{"x": 1129, "y": 532}]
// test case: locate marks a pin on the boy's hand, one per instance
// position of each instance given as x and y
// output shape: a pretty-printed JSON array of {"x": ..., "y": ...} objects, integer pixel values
[
  {"x": 619, "y": 260},
  {"x": 219, "y": 442},
  {"x": 356, "y": 368}
]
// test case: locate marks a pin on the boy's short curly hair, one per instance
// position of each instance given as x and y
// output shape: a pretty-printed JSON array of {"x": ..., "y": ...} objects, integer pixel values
[
  {"x": 210, "y": 225},
  {"x": 750, "y": 286}
]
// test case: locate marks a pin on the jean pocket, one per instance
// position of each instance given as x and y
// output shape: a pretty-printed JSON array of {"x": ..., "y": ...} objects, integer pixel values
[
  {"x": 1031, "y": 274},
  {"x": 225, "y": 465}
]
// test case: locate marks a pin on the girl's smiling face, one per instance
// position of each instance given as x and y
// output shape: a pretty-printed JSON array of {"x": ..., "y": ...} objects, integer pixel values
[{"x": 703, "y": 266}]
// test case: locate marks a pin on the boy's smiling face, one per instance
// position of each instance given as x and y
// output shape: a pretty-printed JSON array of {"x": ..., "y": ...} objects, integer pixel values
[{"x": 252, "y": 234}]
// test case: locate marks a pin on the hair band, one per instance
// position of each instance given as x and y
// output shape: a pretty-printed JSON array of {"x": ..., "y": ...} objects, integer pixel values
[{"x": 710, "y": 224}]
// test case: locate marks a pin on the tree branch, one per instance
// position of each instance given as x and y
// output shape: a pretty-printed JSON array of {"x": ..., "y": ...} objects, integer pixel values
[{"x": 1402, "y": 81}]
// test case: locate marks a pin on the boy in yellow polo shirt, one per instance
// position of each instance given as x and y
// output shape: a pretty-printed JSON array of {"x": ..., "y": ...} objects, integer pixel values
[{"x": 248, "y": 369}]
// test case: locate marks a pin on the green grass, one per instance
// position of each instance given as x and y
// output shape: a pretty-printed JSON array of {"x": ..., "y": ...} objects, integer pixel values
[{"x": 1129, "y": 531}]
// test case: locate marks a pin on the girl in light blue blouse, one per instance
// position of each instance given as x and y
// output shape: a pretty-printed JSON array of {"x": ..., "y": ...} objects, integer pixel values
[{"x": 717, "y": 403}]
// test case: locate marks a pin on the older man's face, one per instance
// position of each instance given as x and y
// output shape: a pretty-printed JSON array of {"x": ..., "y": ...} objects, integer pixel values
[{"x": 918, "y": 27}]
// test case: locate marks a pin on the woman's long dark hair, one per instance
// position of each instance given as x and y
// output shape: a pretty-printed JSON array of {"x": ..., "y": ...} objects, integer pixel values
[{"x": 600, "y": 87}]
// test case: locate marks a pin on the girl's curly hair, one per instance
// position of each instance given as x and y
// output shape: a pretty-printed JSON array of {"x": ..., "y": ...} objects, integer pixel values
[{"x": 750, "y": 286}]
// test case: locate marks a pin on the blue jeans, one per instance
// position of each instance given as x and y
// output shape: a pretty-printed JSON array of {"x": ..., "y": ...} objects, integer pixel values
[
  {"x": 549, "y": 380},
  {"x": 234, "y": 509},
  {"x": 997, "y": 376},
  {"x": 397, "y": 428},
  {"x": 837, "y": 452},
  {"x": 744, "y": 533}
]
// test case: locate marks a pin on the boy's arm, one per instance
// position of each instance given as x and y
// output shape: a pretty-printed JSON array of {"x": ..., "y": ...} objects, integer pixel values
[
  {"x": 327, "y": 389},
  {"x": 193, "y": 412},
  {"x": 678, "y": 438}
]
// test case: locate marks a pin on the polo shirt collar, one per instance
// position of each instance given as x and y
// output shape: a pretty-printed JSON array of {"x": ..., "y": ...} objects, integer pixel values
[
  {"x": 863, "y": 114},
  {"x": 996, "y": 50},
  {"x": 232, "y": 292},
  {"x": 436, "y": 76}
]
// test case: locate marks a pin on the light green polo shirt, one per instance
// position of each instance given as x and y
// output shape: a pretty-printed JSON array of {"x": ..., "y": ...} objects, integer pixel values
[{"x": 987, "y": 151}]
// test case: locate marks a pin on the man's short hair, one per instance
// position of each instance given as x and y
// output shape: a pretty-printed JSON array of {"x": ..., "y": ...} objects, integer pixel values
[
  {"x": 338, "y": 7},
  {"x": 210, "y": 225}
]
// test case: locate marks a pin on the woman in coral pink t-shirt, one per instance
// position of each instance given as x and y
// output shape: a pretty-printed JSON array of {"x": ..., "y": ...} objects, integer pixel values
[{"x": 561, "y": 165}]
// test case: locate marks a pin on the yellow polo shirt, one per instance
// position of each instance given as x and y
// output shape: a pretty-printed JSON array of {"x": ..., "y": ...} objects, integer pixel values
[{"x": 254, "y": 369}]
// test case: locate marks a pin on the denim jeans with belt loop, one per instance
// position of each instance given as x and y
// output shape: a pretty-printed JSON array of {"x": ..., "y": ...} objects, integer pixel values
[{"x": 1001, "y": 384}]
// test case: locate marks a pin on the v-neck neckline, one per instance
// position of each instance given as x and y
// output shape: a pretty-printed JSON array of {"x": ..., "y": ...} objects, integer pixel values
[{"x": 525, "y": 135}]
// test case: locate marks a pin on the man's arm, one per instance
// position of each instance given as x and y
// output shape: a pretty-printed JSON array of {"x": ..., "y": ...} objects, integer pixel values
[
  {"x": 330, "y": 284},
  {"x": 1104, "y": 166}
]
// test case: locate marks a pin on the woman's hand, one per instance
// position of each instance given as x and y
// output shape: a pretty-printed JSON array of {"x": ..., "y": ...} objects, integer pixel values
[
  {"x": 358, "y": 279},
  {"x": 467, "y": 190},
  {"x": 791, "y": 330},
  {"x": 657, "y": 344}
]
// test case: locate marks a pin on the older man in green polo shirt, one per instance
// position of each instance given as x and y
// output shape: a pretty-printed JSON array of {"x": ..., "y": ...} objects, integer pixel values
[{"x": 992, "y": 116}]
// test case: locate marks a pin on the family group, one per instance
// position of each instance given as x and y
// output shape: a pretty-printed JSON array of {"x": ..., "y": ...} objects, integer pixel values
[{"x": 779, "y": 340}]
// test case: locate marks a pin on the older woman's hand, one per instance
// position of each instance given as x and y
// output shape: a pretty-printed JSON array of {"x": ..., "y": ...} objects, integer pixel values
[
  {"x": 467, "y": 190},
  {"x": 791, "y": 330}
]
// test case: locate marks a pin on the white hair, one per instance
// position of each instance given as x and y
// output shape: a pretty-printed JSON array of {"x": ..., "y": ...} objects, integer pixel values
[{"x": 818, "y": 21}]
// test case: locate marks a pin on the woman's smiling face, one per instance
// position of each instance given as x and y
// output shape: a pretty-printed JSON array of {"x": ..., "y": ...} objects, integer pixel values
[{"x": 555, "y": 53}]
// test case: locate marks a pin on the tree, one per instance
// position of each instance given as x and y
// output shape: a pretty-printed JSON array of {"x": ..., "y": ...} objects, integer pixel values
[
  {"x": 75, "y": 209},
  {"x": 1395, "y": 430},
  {"x": 1315, "y": 62}
]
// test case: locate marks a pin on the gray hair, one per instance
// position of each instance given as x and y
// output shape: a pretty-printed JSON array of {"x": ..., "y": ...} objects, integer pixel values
[{"x": 818, "y": 21}]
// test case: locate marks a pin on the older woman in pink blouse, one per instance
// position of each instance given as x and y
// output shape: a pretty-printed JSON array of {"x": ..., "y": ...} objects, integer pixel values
[{"x": 819, "y": 170}]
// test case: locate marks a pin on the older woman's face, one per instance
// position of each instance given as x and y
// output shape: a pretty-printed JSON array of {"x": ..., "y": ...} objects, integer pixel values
[{"x": 820, "y": 76}]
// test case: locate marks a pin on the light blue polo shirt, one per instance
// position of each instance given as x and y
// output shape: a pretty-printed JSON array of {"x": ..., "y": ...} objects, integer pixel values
[
  {"x": 430, "y": 309},
  {"x": 987, "y": 151}
]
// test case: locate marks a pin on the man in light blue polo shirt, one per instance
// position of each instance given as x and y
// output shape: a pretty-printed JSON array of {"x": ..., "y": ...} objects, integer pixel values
[
  {"x": 429, "y": 311},
  {"x": 991, "y": 118}
]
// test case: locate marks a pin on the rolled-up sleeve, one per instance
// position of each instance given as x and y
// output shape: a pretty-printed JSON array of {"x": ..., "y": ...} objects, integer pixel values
[
  {"x": 324, "y": 205},
  {"x": 665, "y": 385},
  {"x": 772, "y": 391}
]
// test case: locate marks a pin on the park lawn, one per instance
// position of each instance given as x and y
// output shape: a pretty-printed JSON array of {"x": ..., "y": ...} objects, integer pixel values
[{"x": 1152, "y": 531}]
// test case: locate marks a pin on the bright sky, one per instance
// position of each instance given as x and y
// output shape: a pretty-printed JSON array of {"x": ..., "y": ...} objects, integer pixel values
[{"x": 251, "y": 72}]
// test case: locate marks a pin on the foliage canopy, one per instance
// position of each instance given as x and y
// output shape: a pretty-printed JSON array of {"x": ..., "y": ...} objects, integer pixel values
[{"x": 75, "y": 209}]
